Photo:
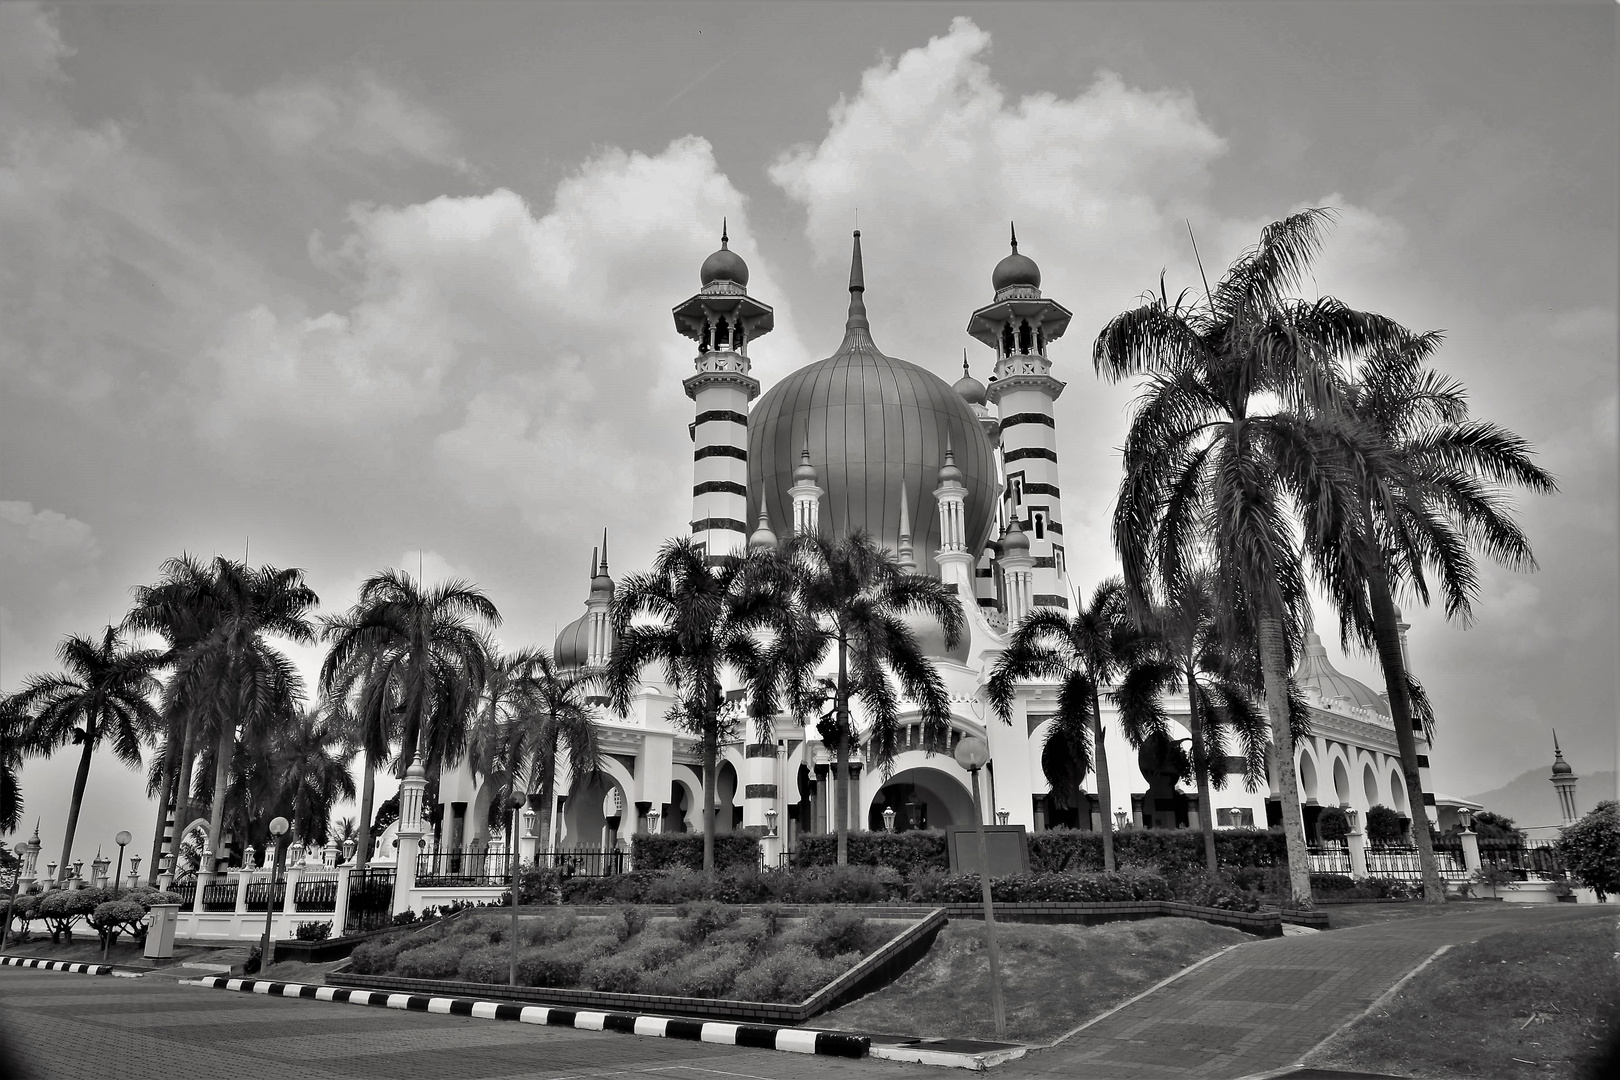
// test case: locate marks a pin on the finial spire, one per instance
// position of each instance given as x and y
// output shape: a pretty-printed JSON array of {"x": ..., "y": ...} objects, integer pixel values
[
  {"x": 1557, "y": 753},
  {"x": 964, "y": 363},
  {"x": 723, "y": 237},
  {"x": 604, "y": 550},
  {"x": 593, "y": 563},
  {"x": 1014, "y": 229}
]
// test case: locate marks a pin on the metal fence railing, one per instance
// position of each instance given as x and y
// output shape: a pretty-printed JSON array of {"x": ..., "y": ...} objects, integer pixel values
[
  {"x": 220, "y": 896},
  {"x": 1402, "y": 863},
  {"x": 371, "y": 899},
  {"x": 462, "y": 870},
  {"x": 261, "y": 894},
  {"x": 581, "y": 863},
  {"x": 316, "y": 892},
  {"x": 186, "y": 890},
  {"x": 1330, "y": 860}
]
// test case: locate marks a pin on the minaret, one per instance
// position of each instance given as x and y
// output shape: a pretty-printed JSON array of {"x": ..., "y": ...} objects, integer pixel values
[
  {"x": 596, "y": 613},
  {"x": 1018, "y": 569},
  {"x": 1019, "y": 325},
  {"x": 806, "y": 495},
  {"x": 722, "y": 318},
  {"x": 764, "y": 538},
  {"x": 1563, "y": 781},
  {"x": 954, "y": 559}
]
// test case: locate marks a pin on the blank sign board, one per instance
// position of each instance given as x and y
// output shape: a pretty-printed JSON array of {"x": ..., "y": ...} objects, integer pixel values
[{"x": 1006, "y": 847}]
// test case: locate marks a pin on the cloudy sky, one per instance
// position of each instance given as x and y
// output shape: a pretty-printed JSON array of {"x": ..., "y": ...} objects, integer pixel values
[{"x": 352, "y": 285}]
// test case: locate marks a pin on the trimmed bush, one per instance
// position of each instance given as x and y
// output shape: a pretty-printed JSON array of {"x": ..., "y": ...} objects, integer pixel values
[
  {"x": 118, "y": 916},
  {"x": 909, "y": 853},
  {"x": 709, "y": 972},
  {"x": 561, "y": 964},
  {"x": 700, "y": 920},
  {"x": 1333, "y": 824},
  {"x": 1218, "y": 890},
  {"x": 1172, "y": 851},
  {"x": 313, "y": 931},
  {"x": 791, "y": 974},
  {"x": 1050, "y": 888},
  {"x": 667, "y": 851},
  {"x": 490, "y": 964},
  {"x": 622, "y": 972},
  {"x": 440, "y": 960}
]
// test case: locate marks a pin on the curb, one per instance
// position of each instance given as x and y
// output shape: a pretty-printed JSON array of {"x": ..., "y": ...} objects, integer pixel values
[
  {"x": 57, "y": 965},
  {"x": 792, "y": 1040},
  {"x": 921, "y": 1052}
]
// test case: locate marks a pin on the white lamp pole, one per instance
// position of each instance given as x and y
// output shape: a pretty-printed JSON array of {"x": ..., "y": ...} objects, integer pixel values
[
  {"x": 972, "y": 753},
  {"x": 278, "y": 829}
]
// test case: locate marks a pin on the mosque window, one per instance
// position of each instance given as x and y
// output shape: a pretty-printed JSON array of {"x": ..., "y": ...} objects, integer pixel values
[
  {"x": 1026, "y": 338},
  {"x": 1057, "y": 558},
  {"x": 1007, "y": 345},
  {"x": 1039, "y": 520}
]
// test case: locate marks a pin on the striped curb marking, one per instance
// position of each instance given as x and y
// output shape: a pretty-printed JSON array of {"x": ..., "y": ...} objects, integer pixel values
[
  {"x": 794, "y": 1040},
  {"x": 56, "y": 965}
]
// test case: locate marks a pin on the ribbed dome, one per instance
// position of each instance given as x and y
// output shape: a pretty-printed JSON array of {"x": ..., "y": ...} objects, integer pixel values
[
  {"x": 877, "y": 426},
  {"x": 1315, "y": 670},
  {"x": 573, "y": 646},
  {"x": 968, "y": 388}
]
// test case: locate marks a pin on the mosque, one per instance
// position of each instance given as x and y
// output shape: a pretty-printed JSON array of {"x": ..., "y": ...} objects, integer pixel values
[{"x": 962, "y": 482}]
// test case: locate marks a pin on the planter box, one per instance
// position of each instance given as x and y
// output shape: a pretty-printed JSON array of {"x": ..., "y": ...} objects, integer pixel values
[{"x": 874, "y": 972}]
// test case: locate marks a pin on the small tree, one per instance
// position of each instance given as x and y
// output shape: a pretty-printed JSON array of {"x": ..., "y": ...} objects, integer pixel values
[
  {"x": 1333, "y": 825},
  {"x": 1491, "y": 826},
  {"x": 1383, "y": 826},
  {"x": 1590, "y": 849}
]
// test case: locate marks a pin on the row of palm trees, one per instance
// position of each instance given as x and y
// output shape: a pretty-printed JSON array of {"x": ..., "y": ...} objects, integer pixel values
[{"x": 410, "y": 672}]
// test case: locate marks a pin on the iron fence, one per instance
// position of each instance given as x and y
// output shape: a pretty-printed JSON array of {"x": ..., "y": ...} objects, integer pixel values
[
  {"x": 316, "y": 892},
  {"x": 371, "y": 899},
  {"x": 1329, "y": 860},
  {"x": 463, "y": 870},
  {"x": 581, "y": 863},
  {"x": 1522, "y": 859},
  {"x": 261, "y": 894},
  {"x": 220, "y": 897},
  {"x": 1402, "y": 863},
  {"x": 186, "y": 889}
]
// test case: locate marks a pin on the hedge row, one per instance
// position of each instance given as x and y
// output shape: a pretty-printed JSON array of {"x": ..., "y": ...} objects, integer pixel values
[
  {"x": 816, "y": 885},
  {"x": 1172, "y": 851},
  {"x": 671, "y": 851}
]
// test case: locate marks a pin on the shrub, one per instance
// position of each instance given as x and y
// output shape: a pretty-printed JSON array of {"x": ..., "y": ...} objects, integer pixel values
[
  {"x": 1218, "y": 890},
  {"x": 1333, "y": 824},
  {"x": 1590, "y": 848},
  {"x": 631, "y": 921},
  {"x": 377, "y": 956},
  {"x": 829, "y": 932},
  {"x": 700, "y": 920},
  {"x": 548, "y": 931},
  {"x": 1170, "y": 851},
  {"x": 439, "y": 960},
  {"x": 1332, "y": 883},
  {"x": 622, "y": 972},
  {"x": 791, "y": 974},
  {"x": 668, "y": 851},
  {"x": 405, "y": 918},
  {"x": 910, "y": 853},
  {"x": 562, "y": 963},
  {"x": 490, "y": 964},
  {"x": 539, "y": 885},
  {"x": 709, "y": 972},
  {"x": 1016, "y": 888},
  {"x": 117, "y": 916},
  {"x": 313, "y": 931},
  {"x": 1383, "y": 825}
]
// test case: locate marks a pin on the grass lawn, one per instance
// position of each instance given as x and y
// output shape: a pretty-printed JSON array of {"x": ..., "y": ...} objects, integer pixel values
[
  {"x": 1054, "y": 977},
  {"x": 1344, "y": 916},
  {"x": 87, "y": 950},
  {"x": 1535, "y": 1003}
]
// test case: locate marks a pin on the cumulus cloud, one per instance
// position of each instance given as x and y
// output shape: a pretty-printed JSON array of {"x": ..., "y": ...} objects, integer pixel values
[
  {"x": 360, "y": 114},
  {"x": 528, "y": 344}
]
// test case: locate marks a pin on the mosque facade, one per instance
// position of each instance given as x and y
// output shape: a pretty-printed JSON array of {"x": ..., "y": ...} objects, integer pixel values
[{"x": 962, "y": 481}]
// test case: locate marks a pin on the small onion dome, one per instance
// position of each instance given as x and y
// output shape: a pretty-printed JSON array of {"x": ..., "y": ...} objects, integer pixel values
[
  {"x": 805, "y": 473},
  {"x": 416, "y": 772},
  {"x": 1015, "y": 269},
  {"x": 948, "y": 472},
  {"x": 1014, "y": 542},
  {"x": 572, "y": 649},
  {"x": 724, "y": 265},
  {"x": 968, "y": 388},
  {"x": 1562, "y": 768},
  {"x": 763, "y": 539}
]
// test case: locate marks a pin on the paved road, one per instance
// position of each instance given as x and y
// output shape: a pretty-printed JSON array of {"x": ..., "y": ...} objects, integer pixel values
[
  {"x": 1264, "y": 1005},
  {"x": 66, "y": 1027}
]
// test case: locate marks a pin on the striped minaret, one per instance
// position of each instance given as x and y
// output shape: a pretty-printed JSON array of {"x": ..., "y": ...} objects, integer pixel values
[
  {"x": 723, "y": 319},
  {"x": 1019, "y": 325}
]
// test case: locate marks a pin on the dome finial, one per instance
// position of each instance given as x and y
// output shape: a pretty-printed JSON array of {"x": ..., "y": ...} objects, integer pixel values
[
  {"x": 724, "y": 239},
  {"x": 1014, "y": 229},
  {"x": 964, "y": 363},
  {"x": 857, "y": 286}
]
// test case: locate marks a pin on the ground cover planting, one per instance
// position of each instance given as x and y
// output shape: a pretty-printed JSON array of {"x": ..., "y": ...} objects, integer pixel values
[
  {"x": 1054, "y": 977},
  {"x": 1537, "y": 1002},
  {"x": 705, "y": 951}
]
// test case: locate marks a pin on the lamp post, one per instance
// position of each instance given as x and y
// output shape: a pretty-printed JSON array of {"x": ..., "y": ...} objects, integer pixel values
[
  {"x": 278, "y": 829},
  {"x": 770, "y": 821},
  {"x": 515, "y": 802},
  {"x": 1120, "y": 817},
  {"x": 1003, "y": 816},
  {"x": 123, "y": 838},
  {"x": 888, "y": 819},
  {"x": 972, "y": 753}
]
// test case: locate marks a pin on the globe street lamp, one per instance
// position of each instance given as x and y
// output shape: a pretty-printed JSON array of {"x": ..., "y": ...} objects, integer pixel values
[
  {"x": 278, "y": 829},
  {"x": 516, "y": 803},
  {"x": 972, "y": 753},
  {"x": 122, "y": 839}
]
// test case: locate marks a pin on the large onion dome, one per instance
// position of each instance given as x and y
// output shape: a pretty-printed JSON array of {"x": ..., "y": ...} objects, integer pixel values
[
  {"x": 1015, "y": 269},
  {"x": 572, "y": 648},
  {"x": 1315, "y": 670},
  {"x": 724, "y": 265},
  {"x": 877, "y": 426}
]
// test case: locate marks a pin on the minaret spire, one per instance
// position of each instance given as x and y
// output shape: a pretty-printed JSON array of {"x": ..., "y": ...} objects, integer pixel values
[
  {"x": 908, "y": 560},
  {"x": 857, "y": 287},
  {"x": 724, "y": 239},
  {"x": 1014, "y": 227},
  {"x": 604, "y": 550}
]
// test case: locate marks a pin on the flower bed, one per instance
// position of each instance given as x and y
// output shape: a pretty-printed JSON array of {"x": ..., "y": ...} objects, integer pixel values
[{"x": 706, "y": 951}]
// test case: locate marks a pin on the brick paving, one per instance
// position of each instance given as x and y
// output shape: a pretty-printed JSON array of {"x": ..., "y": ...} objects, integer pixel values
[
  {"x": 1263, "y": 1005},
  {"x": 56, "y": 1026}
]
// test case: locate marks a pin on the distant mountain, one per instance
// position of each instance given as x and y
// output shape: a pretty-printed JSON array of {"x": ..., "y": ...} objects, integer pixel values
[{"x": 1529, "y": 798}]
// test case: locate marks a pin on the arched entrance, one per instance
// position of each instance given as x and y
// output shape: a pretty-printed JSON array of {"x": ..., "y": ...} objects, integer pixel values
[
  {"x": 922, "y": 798},
  {"x": 593, "y": 813}
]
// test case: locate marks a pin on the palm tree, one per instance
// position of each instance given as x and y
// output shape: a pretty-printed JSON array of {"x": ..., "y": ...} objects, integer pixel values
[
  {"x": 1220, "y": 680},
  {"x": 531, "y": 713},
  {"x": 700, "y": 620},
  {"x": 13, "y": 741},
  {"x": 311, "y": 757},
  {"x": 1082, "y": 654},
  {"x": 425, "y": 648},
  {"x": 239, "y": 683},
  {"x": 103, "y": 694},
  {"x": 364, "y": 691},
  {"x": 1225, "y": 452},
  {"x": 852, "y": 598},
  {"x": 1433, "y": 497}
]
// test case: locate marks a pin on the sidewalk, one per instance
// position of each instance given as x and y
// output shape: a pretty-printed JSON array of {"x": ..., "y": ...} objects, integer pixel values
[{"x": 1263, "y": 1006}]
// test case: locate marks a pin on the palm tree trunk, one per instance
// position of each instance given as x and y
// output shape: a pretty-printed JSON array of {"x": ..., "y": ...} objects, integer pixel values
[
  {"x": 368, "y": 792},
  {"x": 1105, "y": 789},
  {"x": 711, "y": 739},
  {"x": 80, "y": 779},
  {"x": 1272, "y": 673},
  {"x": 222, "y": 776},
  {"x": 841, "y": 782},
  {"x": 167, "y": 796},
  {"x": 1195, "y": 724},
  {"x": 1387, "y": 634}
]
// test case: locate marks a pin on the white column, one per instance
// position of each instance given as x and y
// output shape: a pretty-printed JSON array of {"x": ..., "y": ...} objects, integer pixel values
[{"x": 409, "y": 833}]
